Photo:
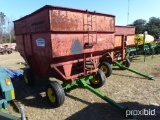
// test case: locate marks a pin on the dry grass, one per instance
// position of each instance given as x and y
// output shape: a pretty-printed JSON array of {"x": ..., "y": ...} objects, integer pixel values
[{"x": 124, "y": 87}]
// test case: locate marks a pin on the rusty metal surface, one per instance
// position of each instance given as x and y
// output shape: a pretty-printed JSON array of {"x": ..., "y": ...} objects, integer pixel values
[
  {"x": 130, "y": 40},
  {"x": 63, "y": 43},
  {"x": 63, "y": 20},
  {"x": 126, "y": 30},
  {"x": 118, "y": 40},
  {"x": 129, "y": 31},
  {"x": 37, "y": 23}
]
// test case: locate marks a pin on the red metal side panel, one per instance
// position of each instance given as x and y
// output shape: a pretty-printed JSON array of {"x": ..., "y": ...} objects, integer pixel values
[
  {"x": 130, "y": 40},
  {"x": 38, "y": 22},
  {"x": 20, "y": 46},
  {"x": 42, "y": 54},
  {"x": 38, "y": 57},
  {"x": 118, "y": 41},
  {"x": 124, "y": 30},
  {"x": 19, "y": 41},
  {"x": 106, "y": 23},
  {"x": 65, "y": 20},
  {"x": 71, "y": 44},
  {"x": 27, "y": 44}
]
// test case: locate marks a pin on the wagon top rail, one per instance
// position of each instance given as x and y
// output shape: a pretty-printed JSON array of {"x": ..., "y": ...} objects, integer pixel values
[{"x": 64, "y": 8}]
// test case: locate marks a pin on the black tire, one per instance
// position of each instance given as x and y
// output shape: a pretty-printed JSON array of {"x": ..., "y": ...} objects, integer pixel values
[
  {"x": 28, "y": 77},
  {"x": 99, "y": 79},
  {"x": 9, "y": 52},
  {"x": 127, "y": 64},
  {"x": 132, "y": 55},
  {"x": 55, "y": 94},
  {"x": 106, "y": 68}
]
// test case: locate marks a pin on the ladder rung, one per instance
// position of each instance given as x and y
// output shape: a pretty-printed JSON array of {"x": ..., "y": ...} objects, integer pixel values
[
  {"x": 90, "y": 63},
  {"x": 88, "y": 24}
]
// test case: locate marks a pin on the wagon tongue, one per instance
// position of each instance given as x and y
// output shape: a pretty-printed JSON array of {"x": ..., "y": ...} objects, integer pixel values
[
  {"x": 136, "y": 72},
  {"x": 82, "y": 82}
]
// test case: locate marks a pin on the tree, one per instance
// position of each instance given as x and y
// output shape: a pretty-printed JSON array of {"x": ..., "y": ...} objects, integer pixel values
[
  {"x": 153, "y": 26},
  {"x": 2, "y": 23},
  {"x": 139, "y": 26}
]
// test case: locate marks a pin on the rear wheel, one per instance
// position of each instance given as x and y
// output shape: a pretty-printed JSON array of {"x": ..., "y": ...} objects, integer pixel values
[
  {"x": 2, "y": 53},
  {"x": 55, "y": 94},
  {"x": 106, "y": 68},
  {"x": 98, "y": 80},
  {"x": 126, "y": 63},
  {"x": 28, "y": 77}
]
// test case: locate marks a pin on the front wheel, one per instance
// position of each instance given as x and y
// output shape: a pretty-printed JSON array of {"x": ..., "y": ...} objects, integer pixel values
[
  {"x": 2, "y": 53},
  {"x": 98, "y": 80},
  {"x": 126, "y": 63},
  {"x": 55, "y": 94}
]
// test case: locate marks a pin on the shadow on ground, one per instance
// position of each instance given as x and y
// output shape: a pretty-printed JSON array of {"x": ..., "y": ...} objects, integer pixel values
[
  {"x": 130, "y": 76},
  {"x": 104, "y": 111},
  {"x": 94, "y": 111}
]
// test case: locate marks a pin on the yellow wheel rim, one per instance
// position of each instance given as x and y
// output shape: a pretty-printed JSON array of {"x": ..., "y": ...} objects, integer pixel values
[
  {"x": 104, "y": 69},
  {"x": 50, "y": 95},
  {"x": 95, "y": 80},
  {"x": 25, "y": 78}
]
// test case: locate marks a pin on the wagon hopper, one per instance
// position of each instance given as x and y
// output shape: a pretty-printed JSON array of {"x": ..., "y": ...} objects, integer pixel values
[{"x": 56, "y": 39}]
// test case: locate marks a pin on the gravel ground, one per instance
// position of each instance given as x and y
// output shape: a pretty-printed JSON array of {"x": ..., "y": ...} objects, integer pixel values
[{"x": 124, "y": 87}]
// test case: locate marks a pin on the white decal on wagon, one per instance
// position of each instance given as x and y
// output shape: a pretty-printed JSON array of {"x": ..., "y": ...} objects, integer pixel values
[{"x": 40, "y": 42}]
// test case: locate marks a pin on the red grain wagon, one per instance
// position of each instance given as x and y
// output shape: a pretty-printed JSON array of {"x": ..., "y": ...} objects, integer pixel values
[
  {"x": 65, "y": 43},
  {"x": 124, "y": 37}
]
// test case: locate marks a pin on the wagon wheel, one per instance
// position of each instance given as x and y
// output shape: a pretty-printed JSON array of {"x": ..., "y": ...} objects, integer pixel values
[
  {"x": 2, "y": 53},
  {"x": 28, "y": 77},
  {"x": 106, "y": 68},
  {"x": 9, "y": 52},
  {"x": 55, "y": 94},
  {"x": 127, "y": 64},
  {"x": 132, "y": 55},
  {"x": 98, "y": 79}
]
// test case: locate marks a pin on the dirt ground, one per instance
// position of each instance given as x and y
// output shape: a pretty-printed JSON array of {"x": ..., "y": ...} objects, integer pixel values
[{"x": 124, "y": 87}]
